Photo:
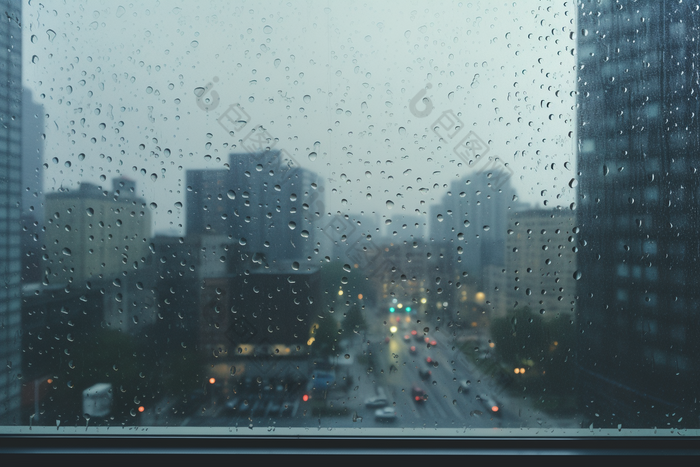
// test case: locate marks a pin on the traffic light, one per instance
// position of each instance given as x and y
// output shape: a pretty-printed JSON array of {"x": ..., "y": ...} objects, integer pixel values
[
  {"x": 392, "y": 309},
  {"x": 408, "y": 309}
]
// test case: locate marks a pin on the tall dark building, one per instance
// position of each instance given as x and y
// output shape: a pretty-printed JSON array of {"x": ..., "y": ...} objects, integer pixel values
[
  {"x": 10, "y": 207},
  {"x": 639, "y": 149},
  {"x": 267, "y": 206}
]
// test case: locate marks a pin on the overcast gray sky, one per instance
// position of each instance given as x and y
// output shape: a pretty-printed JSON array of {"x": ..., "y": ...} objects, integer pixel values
[{"x": 333, "y": 78}]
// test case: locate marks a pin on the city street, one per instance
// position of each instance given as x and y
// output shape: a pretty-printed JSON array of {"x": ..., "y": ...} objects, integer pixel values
[{"x": 395, "y": 370}]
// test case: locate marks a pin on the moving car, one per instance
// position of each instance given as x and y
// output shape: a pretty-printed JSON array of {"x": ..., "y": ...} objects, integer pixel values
[
  {"x": 431, "y": 361},
  {"x": 376, "y": 401},
  {"x": 490, "y": 404},
  {"x": 419, "y": 394},
  {"x": 385, "y": 414}
]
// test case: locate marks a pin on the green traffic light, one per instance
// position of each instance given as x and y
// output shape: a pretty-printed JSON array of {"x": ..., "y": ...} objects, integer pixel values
[
  {"x": 391, "y": 310},
  {"x": 408, "y": 309}
]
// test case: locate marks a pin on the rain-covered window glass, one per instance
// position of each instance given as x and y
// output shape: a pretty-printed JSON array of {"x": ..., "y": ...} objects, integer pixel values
[{"x": 264, "y": 217}]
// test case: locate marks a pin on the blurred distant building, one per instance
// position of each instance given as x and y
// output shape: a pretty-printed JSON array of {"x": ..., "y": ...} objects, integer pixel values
[
  {"x": 495, "y": 289},
  {"x": 471, "y": 221},
  {"x": 176, "y": 261},
  {"x": 50, "y": 314},
  {"x": 95, "y": 234},
  {"x": 539, "y": 263},
  {"x": 267, "y": 205},
  {"x": 32, "y": 157},
  {"x": 403, "y": 227},
  {"x": 255, "y": 226},
  {"x": 32, "y": 187},
  {"x": 353, "y": 237},
  {"x": 264, "y": 313}
]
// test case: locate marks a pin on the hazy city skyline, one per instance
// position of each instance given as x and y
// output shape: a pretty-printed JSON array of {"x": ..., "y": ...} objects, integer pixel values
[{"x": 339, "y": 102}]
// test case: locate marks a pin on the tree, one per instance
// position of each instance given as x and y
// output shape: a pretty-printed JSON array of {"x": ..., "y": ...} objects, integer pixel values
[
  {"x": 353, "y": 323},
  {"x": 525, "y": 338},
  {"x": 325, "y": 336}
]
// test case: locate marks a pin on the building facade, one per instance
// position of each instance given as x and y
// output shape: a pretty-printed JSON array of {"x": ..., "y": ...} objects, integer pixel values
[
  {"x": 96, "y": 234},
  {"x": 10, "y": 208},
  {"x": 540, "y": 262},
  {"x": 638, "y": 310},
  {"x": 267, "y": 207}
]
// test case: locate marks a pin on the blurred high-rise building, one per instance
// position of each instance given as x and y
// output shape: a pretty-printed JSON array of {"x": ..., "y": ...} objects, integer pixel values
[
  {"x": 10, "y": 208},
  {"x": 639, "y": 306},
  {"x": 32, "y": 156},
  {"x": 540, "y": 263},
  {"x": 95, "y": 234},
  {"x": 471, "y": 221},
  {"x": 256, "y": 224},
  {"x": 270, "y": 214}
]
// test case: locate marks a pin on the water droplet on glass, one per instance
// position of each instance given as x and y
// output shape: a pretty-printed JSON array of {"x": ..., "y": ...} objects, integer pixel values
[
  {"x": 194, "y": 44},
  {"x": 267, "y": 29},
  {"x": 389, "y": 204},
  {"x": 154, "y": 177},
  {"x": 295, "y": 265},
  {"x": 66, "y": 251},
  {"x": 292, "y": 225},
  {"x": 153, "y": 205},
  {"x": 577, "y": 275},
  {"x": 312, "y": 156},
  {"x": 51, "y": 34},
  {"x": 307, "y": 98}
]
